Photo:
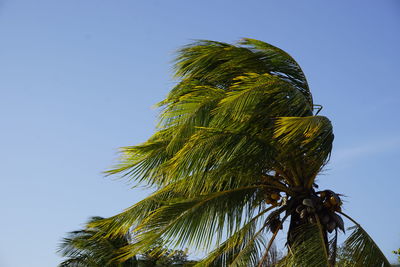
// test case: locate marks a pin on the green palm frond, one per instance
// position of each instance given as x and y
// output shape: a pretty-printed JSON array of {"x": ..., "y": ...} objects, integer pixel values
[
  {"x": 177, "y": 110},
  {"x": 79, "y": 261},
  {"x": 200, "y": 221},
  {"x": 212, "y": 149},
  {"x": 281, "y": 64},
  {"x": 142, "y": 163},
  {"x": 306, "y": 143},
  {"x": 253, "y": 97},
  {"x": 361, "y": 248},
  {"x": 191, "y": 111},
  {"x": 120, "y": 224},
  {"x": 87, "y": 261},
  {"x": 244, "y": 246},
  {"x": 217, "y": 63}
]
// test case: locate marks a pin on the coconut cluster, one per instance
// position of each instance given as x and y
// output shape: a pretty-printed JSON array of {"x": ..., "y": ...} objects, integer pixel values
[
  {"x": 272, "y": 198},
  {"x": 275, "y": 224},
  {"x": 322, "y": 207}
]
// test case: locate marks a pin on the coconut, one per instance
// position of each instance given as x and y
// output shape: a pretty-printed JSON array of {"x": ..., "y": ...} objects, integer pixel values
[
  {"x": 331, "y": 226},
  {"x": 275, "y": 196},
  {"x": 275, "y": 225},
  {"x": 334, "y": 200}
]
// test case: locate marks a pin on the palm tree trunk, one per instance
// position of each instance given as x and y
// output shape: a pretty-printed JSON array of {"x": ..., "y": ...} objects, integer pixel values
[{"x": 295, "y": 236}]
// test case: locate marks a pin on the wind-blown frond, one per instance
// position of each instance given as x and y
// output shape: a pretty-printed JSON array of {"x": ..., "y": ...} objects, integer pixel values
[
  {"x": 281, "y": 64},
  {"x": 182, "y": 115},
  {"x": 200, "y": 221},
  {"x": 211, "y": 149},
  {"x": 120, "y": 224},
  {"x": 244, "y": 246},
  {"x": 361, "y": 248},
  {"x": 142, "y": 163},
  {"x": 217, "y": 63},
  {"x": 79, "y": 261},
  {"x": 258, "y": 98},
  {"x": 306, "y": 143}
]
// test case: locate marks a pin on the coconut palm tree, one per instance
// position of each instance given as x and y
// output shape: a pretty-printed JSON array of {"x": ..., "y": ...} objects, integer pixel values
[{"x": 236, "y": 154}]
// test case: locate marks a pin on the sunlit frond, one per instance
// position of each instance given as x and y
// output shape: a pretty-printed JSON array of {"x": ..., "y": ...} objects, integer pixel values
[
  {"x": 142, "y": 163},
  {"x": 120, "y": 224},
  {"x": 257, "y": 99},
  {"x": 217, "y": 63},
  {"x": 281, "y": 64},
  {"x": 200, "y": 221},
  {"x": 306, "y": 144},
  {"x": 247, "y": 240},
  {"x": 182, "y": 116},
  {"x": 212, "y": 148}
]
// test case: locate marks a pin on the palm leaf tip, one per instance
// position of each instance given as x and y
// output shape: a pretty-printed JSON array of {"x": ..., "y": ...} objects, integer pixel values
[{"x": 362, "y": 250}]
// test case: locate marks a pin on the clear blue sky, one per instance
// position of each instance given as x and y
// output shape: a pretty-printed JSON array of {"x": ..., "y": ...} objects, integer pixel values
[{"x": 78, "y": 79}]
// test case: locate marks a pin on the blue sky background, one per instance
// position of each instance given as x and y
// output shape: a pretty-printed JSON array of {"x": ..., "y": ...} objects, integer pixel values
[{"x": 78, "y": 79}]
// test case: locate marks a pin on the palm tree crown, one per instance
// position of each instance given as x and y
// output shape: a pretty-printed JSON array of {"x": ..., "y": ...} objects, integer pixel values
[{"x": 236, "y": 154}]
